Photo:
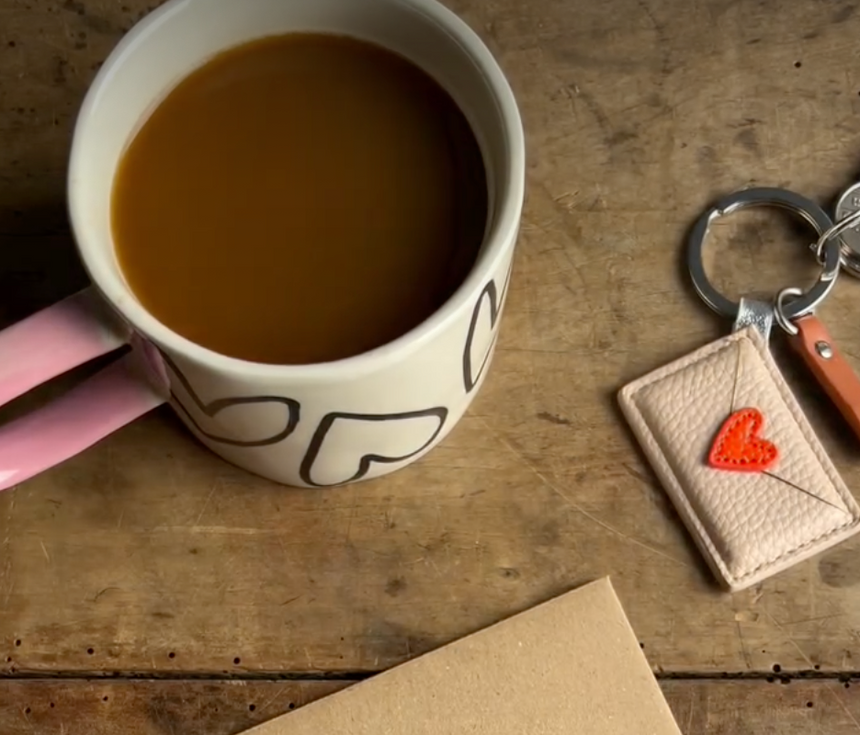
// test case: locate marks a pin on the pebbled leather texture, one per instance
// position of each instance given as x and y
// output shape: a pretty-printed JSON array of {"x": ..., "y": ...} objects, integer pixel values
[{"x": 748, "y": 525}]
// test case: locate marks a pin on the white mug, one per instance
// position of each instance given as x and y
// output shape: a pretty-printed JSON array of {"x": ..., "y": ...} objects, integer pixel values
[{"x": 306, "y": 425}]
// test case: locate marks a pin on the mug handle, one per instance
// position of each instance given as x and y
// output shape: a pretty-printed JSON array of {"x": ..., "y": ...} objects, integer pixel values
[{"x": 49, "y": 343}]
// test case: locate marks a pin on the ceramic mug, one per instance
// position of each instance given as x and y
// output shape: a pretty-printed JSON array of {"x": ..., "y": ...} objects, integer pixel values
[{"x": 307, "y": 425}]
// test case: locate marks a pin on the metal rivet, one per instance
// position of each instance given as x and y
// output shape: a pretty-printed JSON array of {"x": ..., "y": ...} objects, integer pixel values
[{"x": 824, "y": 350}]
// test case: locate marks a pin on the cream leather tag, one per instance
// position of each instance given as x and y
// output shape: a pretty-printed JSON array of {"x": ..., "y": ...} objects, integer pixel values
[{"x": 739, "y": 459}]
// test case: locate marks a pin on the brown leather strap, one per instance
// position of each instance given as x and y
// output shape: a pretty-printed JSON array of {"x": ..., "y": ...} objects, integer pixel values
[{"x": 818, "y": 350}]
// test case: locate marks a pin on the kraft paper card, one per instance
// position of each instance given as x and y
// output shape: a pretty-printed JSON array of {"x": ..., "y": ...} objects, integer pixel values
[{"x": 570, "y": 666}]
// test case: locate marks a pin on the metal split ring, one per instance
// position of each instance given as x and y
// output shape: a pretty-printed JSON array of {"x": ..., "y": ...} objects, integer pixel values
[
  {"x": 827, "y": 247},
  {"x": 779, "y": 310},
  {"x": 852, "y": 220}
]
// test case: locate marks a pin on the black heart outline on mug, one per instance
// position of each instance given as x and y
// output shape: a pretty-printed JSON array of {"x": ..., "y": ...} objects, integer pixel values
[
  {"x": 496, "y": 305},
  {"x": 364, "y": 463},
  {"x": 219, "y": 404}
]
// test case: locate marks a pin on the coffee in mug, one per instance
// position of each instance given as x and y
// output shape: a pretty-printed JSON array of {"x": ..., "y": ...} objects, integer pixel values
[{"x": 315, "y": 196}]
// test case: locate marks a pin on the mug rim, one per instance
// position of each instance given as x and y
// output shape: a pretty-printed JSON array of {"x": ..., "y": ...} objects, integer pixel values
[{"x": 503, "y": 228}]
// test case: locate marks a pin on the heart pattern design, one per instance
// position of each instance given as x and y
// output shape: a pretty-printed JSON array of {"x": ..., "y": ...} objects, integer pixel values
[
  {"x": 289, "y": 407},
  {"x": 738, "y": 446},
  {"x": 489, "y": 305},
  {"x": 352, "y": 442}
]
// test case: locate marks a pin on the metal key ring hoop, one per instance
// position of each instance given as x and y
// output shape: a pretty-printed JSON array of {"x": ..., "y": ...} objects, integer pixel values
[{"x": 767, "y": 197}]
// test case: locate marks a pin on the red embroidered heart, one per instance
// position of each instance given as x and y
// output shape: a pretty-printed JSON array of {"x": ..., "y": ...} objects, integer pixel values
[{"x": 738, "y": 447}]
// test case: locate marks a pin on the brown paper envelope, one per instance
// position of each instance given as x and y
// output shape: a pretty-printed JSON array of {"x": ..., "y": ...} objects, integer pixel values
[{"x": 571, "y": 665}]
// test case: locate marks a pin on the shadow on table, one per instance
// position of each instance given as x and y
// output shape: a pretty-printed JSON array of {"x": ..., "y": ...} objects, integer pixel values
[
  {"x": 38, "y": 267},
  {"x": 38, "y": 261}
]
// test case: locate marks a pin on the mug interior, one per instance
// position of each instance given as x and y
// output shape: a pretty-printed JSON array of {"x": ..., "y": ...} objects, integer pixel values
[{"x": 182, "y": 35}]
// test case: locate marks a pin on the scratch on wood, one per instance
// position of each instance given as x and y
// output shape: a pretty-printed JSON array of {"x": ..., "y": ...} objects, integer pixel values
[
  {"x": 8, "y": 577},
  {"x": 217, "y": 530},
  {"x": 816, "y": 619},
  {"x": 838, "y": 697},
  {"x": 830, "y": 688},
  {"x": 791, "y": 640},
  {"x": 206, "y": 504},
  {"x": 553, "y": 418},
  {"x": 26, "y": 717},
  {"x": 351, "y": 516},
  {"x": 636, "y": 474},
  {"x": 579, "y": 509},
  {"x": 101, "y": 592},
  {"x": 743, "y": 645},
  {"x": 689, "y": 729},
  {"x": 277, "y": 695}
]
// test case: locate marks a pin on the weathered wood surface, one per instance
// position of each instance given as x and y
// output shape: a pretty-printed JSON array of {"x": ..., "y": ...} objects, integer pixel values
[
  {"x": 147, "y": 554},
  {"x": 228, "y": 708}
]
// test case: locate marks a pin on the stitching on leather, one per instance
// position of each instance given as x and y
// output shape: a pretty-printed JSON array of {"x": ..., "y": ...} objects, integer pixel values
[
  {"x": 646, "y": 436},
  {"x": 824, "y": 461},
  {"x": 629, "y": 394},
  {"x": 629, "y": 404}
]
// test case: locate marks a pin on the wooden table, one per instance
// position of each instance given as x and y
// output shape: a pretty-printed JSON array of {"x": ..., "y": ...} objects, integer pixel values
[{"x": 148, "y": 587}]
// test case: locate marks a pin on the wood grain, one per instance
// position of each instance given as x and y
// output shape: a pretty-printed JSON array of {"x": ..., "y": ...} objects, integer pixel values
[
  {"x": 638, "y": 114},
  {"x": 228, "y": 708}
]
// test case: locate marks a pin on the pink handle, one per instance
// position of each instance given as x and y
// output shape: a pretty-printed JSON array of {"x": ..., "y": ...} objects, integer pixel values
[
  {"x": 55, "y": 340},
  {"x": 50, "y": 343}
]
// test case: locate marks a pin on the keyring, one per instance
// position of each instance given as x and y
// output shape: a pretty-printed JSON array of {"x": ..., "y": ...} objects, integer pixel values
[{"x": 768, "y": 197}]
